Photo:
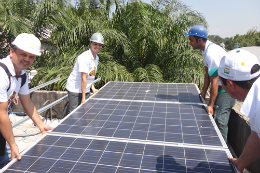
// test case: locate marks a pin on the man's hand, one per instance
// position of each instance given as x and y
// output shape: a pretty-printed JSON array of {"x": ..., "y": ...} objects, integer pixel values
[
  {"x": 94, "y": 90},
  {"x": 203, "y": 95},
  {"x": 15, "y": 152},
  {"x": 83, "y": 100},
  {"x": 210, "y": 110},
  {"x": 237, "y": 164},
  {"x": 15, "y": 101},
  {"x": 45, "y": 128}
]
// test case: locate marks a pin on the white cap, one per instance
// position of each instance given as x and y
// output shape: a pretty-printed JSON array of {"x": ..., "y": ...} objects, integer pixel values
[
  {"x": 237, "y": 65},
  {"x": 28, "y": 43}
]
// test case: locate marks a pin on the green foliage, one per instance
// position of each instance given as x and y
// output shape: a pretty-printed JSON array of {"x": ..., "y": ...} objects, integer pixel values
[
  {"x": 143, "y": 43},
  {"x": 251, "y": 38},
  {"x": 215, "y": 39}
]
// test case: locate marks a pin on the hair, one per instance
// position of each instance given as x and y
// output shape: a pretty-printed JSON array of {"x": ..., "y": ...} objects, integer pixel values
[
  {"x": 14, "y": 47},
  {"x": 197, "y": 38},
  {"x": 245, "y": 84}
]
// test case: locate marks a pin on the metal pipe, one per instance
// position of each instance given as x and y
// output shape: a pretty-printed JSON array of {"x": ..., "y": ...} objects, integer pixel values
[
  {"x": 49, "y": 105},
  {"x": 40, "y": 111},
  {"x": 44, "y": 84}
]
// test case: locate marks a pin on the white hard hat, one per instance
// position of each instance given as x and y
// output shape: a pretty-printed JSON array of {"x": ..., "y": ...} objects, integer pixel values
[
  {"x": 28, "y": 43},
  {"x": 97, "y": 37}
]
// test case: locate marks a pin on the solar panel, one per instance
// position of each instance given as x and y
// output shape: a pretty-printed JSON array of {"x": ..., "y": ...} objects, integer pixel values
[
  {"x": 132, "y": 127},
  {"x": 164, "y": 122},
  {"x": 74, "y": 154},
  {"x": 170, "y": 92}
]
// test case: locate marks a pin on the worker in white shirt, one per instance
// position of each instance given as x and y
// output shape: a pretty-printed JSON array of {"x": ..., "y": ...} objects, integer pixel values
[
  {"x": 239, "y": 73},
  {"x": 26, "y": 47},
  {"x": 220, "y": 102},
  {"x": 83, "y": 74}
]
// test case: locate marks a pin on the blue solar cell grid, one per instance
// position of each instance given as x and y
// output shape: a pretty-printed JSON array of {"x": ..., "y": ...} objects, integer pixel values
[
  {"x": 132, "y": 127},
  {"x": 54, "y": 154},
  {"x": 164, "y": 122},
  {"x": 169, "y": 92}
]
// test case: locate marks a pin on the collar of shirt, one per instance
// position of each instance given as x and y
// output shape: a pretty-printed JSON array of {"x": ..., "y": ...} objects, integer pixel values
[
  {"x": 7, "y": 61},
  {"x": 206, "y": 47},
  {"x": 92, "y": 57}
]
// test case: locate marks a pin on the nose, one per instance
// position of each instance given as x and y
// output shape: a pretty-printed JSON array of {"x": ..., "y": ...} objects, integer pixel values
[{"x": 26, "y": 58}]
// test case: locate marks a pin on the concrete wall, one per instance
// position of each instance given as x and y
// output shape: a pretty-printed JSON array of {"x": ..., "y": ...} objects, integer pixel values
[
  {"x": 40, "y": 97},
  {"x": 238, "y": 133}
]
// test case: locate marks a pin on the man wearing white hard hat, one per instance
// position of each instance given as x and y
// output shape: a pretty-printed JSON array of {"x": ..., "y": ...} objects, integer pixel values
[
  {"x": 25, "y": 49},
  {"x": 83, "y": 74},
  {"x": 239, "y": 73}
]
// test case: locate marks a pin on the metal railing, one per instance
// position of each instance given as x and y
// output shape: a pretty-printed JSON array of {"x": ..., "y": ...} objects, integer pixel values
[{"x": 41, "y": 110}]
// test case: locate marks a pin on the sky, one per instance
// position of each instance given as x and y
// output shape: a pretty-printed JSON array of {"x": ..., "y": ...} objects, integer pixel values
[{"x": 227, "y": 18}]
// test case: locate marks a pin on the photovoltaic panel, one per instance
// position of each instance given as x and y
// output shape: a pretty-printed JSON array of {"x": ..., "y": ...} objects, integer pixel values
[
  {"x": 163, "y": 122},
  {"x": 73, "y": 154},
  {"x": 132, "y": 127},
  {"x": 170, "y": 92}
]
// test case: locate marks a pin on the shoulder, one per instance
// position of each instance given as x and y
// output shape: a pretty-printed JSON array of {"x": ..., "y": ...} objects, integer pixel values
[
  {"x": 252, "y": 100},
  {"x": 3, "y": 73},
  {"x": 84, "y": 56},
  {"x": 215, "y": 50}
]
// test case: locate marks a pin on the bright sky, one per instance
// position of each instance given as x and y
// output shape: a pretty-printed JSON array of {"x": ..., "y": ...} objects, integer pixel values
[{"x": 227, "y": 18}]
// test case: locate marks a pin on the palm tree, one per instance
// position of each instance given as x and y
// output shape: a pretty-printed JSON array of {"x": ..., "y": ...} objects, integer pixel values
[
  {"x": 14, "y": 19},
  {"x": 142, "y": 42}
]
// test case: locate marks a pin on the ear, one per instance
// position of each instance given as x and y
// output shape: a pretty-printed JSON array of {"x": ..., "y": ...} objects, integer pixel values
[
  {"x": 231, "y": 85},
  {"x": 11, "y": 52}
]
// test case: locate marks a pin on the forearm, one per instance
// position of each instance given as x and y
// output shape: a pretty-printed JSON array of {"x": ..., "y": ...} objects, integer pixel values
[
  {"x": 93, "y": 87},
  {"x": 7, "y": 130},
  {"x": 5, "y": 124},
  {"x": 213, "y": 93},
  {"x": 251, "y": 150},
  {"x": 206, "y": 84},
  {"x": 31, "y": 111},
  {"x": 83, "y": 88}
]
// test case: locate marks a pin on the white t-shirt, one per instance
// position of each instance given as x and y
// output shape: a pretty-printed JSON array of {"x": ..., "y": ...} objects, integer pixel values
[
  {"x": 212, "y": 56},
  {"x": 251, "y": 106},
  {"x": 87, "y": 64},
  {"x": 15, "y": 86}
]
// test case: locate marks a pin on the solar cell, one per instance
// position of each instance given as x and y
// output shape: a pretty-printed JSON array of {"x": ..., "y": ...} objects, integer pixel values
[
  {"x": 64, "y": 154},
  {"x": 132, "y": 127},
  {"x": 169, "y": 92},
  {"x": 165, "y": 122}
]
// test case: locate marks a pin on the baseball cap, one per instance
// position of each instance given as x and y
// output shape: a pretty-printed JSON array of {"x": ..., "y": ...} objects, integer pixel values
[
  {"x": 236, "y": 66},
  {"x": 28, "y": 43}
]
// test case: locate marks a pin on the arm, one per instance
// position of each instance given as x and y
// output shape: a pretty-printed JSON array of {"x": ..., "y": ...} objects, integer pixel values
[
  {"x": 206, "y": 83},
  {"x": 31, "y": 111},
  {"x": 213, "y": 93},
  {"x": 83, "y": 86},
  {"x": 94, "y": 90},
  {"x": 7, "y": 130},
  {"x": 250, "y": 153}
]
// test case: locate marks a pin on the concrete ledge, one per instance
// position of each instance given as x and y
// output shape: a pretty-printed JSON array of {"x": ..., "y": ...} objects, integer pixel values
[{"x": 40, "y": 97}]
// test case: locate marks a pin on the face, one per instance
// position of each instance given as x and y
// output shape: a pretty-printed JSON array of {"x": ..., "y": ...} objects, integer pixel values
[
  {"x": 193, "y": 42},
  {"x": 21, "y": 59},
  {"x": 230, "y": 89},
  {"x": 95, "y": 47}
]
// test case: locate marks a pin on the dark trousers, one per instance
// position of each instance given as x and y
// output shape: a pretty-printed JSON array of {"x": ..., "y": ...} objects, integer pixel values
[
  {"x": 223, "y": 105},
  {"x": 75, "y": 100}
]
